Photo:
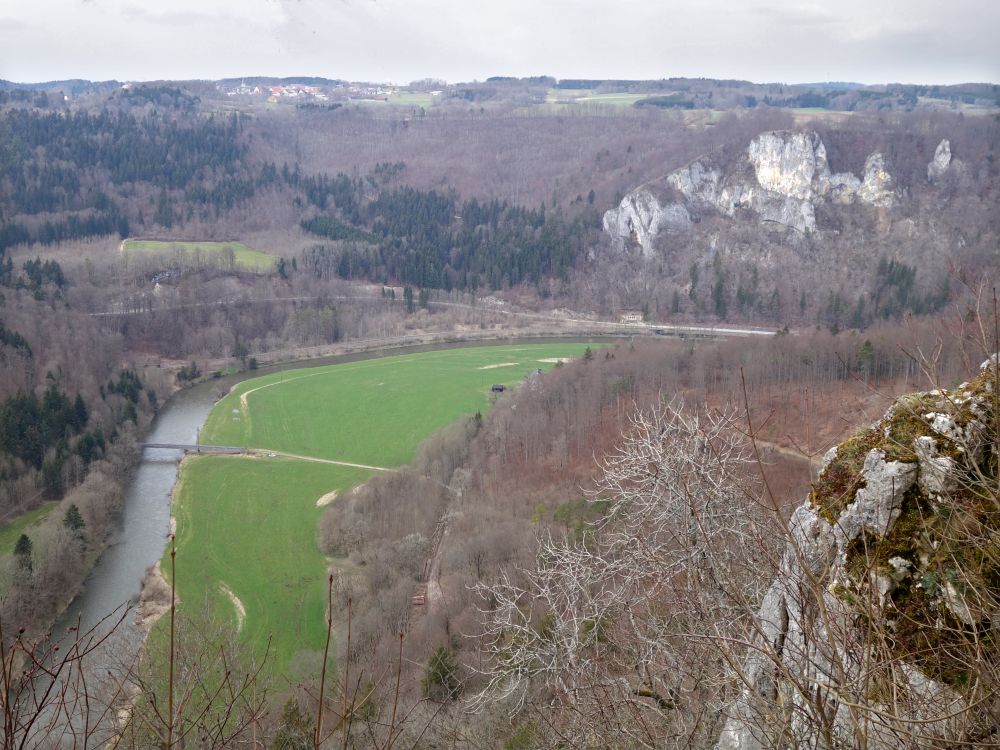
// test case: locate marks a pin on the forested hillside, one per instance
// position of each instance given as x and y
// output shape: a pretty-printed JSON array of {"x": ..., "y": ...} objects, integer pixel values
[{"x": 486, "y": 201}]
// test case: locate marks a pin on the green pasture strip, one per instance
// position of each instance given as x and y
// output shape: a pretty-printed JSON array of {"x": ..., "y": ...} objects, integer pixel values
[
  {"x": 413, "y": 98},
  {"x": 620, "y": 99},
  {"x": 590, "y": 96},
  {"x": 568, "y": 95},
  {"x": 208, "y": 253},
  {"x": 373, "y": 412},
  {"x": 251, "y": 524}
]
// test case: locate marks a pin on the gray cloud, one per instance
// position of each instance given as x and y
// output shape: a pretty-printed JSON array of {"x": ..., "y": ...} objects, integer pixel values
[
  {"x": 787, "y": 40},
  {"x": 12, "y": 26}
]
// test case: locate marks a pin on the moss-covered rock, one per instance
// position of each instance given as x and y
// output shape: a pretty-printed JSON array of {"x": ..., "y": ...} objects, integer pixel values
[{"x": 889, "y": 607}]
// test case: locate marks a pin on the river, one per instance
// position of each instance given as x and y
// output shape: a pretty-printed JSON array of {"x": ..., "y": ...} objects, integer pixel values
[{"x": 145, "y": 518}]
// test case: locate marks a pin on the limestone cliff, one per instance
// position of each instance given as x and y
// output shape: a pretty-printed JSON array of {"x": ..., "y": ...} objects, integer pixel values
[
  {"x": 779, "y": 177},
  {"x": 640, "y": 217},
  {"x": 941, "y": 161},
  {"x": 882, "y": 626}
]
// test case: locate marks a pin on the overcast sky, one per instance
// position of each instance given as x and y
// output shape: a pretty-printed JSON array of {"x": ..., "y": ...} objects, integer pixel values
[{"x": 872, "y": 41}]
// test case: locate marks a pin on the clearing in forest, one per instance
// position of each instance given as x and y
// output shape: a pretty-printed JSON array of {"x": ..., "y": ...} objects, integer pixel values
[
  {"x": 26, "y": 523},
  {"x": 227, "y": 255}
]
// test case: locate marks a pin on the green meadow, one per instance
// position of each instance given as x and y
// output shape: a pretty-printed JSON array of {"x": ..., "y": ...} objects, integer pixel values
[
  {"x": 413, "y": 98},
  {"x": 23, "y": 524},
  {"x": 224, "y": 254},
  {"x": 617, "y": 99},
  {"x": 249, "y": 525},
  {"x": 376, "y": 411},
  {"x": 620, "y": 99}
]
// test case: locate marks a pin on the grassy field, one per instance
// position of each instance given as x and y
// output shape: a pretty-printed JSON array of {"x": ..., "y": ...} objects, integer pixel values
[
  {"x": 567, "y": 96},
  {"x": 11, "y": 532},
  {"x": 413, "y": 99},
  {"x": 372, "y": 412},
  {"x": 225, "y": 254},
  {"x": 618, "y": 100},
  {"x": 589, "y": 96},
  {"x": 250, "y": 523}
]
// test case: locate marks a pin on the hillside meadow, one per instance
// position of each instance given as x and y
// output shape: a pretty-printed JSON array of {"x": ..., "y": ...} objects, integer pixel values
[{"x": 22, "y": 524}]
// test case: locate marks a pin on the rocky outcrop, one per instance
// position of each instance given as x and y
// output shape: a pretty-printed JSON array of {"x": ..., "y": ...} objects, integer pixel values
[
  {"x": 941, "y": 161},
  {"x": 876, "y": 187},
  {"x": 698, "y": 183},
  {"x": 640, "y": 217},
  {"x": 880, "y": 627},
  {"x": 779, "y": 178},
  {"x": 789, "y": 164}
]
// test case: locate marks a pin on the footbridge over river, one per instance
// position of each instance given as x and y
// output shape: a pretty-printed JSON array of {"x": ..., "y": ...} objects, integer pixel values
[{"x": 196, "y": 447}]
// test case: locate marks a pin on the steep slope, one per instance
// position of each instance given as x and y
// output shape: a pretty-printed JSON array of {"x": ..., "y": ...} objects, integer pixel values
[{"x": 883, "y": 622}]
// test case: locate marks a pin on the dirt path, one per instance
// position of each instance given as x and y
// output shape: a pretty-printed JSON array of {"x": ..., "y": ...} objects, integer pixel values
[
  {"x": 434, "y": 592},
  {"x": 241, "y": 611},
  {"x": 264, "y": 451}
]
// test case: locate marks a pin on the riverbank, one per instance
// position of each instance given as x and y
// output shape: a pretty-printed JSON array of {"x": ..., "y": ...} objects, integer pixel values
[
  {"x": 61, "y": 560},
  {"x": 154, "y": 598}
]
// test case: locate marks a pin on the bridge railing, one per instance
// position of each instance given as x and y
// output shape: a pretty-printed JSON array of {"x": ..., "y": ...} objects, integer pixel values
[{"x": 196, "y": 447}]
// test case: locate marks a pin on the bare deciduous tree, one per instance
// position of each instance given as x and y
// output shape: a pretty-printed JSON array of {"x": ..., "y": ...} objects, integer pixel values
[{"x": 603, "y": 625}]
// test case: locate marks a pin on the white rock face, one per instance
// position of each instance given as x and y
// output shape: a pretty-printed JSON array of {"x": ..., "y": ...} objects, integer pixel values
[
  {"x": 937, "y": 473},
  {"x": 780, "y": 178},
  {"x": 640, "y": 217},
  {"x": 941, "y": 161},
  {"x": 791, "y": 172},
  {"x": 876, "y": 188},
  {"x": 698, "y": 183},
  {"x": 968, "y": 437},
  {"x": 844, "y": 188},
  {"x": 828, "y": 457},
  {"x": 790, "y": 165}
]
